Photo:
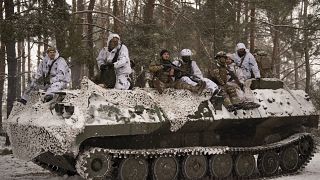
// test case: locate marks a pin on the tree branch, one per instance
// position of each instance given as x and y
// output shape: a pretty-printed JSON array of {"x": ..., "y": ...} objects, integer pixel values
[{"x": 100, "y": 12}]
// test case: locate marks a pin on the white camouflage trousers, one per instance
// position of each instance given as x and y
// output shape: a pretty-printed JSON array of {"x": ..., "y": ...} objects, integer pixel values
[
  {"x": 50, "y": 89},
  {"x": 122, "y": 82},
  {"x": 210, "y": 85}
]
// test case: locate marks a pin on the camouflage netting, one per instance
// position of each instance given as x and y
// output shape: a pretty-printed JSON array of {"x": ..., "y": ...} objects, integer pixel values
[{"x": 35, "y": 129}]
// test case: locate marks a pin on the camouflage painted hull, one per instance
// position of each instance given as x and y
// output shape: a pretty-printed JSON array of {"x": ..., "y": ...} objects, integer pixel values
[{"x": 99, "y": 133}]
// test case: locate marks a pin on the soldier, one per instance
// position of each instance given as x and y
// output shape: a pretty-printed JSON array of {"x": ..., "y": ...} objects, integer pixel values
[
  {"x": 163, "y": 75},
  {"x": 190, "y": 73},
  {"x": 235, "y": 78},
  {"x": 264, "y": 63},
  {"x": 53, "y": 75},
  {"x": 113, "y": 60},
  {"x": 218, "y": 72},
  {"x": 247, "y": 62}
]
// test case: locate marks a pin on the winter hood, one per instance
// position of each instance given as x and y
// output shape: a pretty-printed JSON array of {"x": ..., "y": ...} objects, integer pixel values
[
  {"x": 241, "y": 46},
  {"x": 112, "y": 35}
]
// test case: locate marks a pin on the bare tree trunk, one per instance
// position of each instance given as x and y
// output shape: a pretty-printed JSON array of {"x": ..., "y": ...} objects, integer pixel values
[
  {"x": 2, "y": 63},
  {"x": 76, "y": 69},
  {"x": 45, "y": 35},
  {"x": 246, "y": 22},
  {"x": 306, "y": 45},
  {"x": 60, "y": 33},
  {"x": 39, "y": 51},
  {"x": 167, "y": 21},
  {"x": 90, "y": 39},
  {"x": 238, "y": 24},
  {"x": 23, "y": 65},
  {"x": 121, "y": 10},
  {"x": 252, "y": 25},
  {"x": 148, "y": 20},
  {"x": 116, "y": 26},
  {"x": 148, "y": 12},
  {"x": 11, "y": 58},
  {"x": 296, "y": 72},
  {"x": 275, "y": 51},
  {"x": 19, "y": 52},
  {"x": 168, "y": 13},
  {"x": 135, "y": 11},
  {"x": 2, "y": 74},
  {"x": 29, "y": 59}
]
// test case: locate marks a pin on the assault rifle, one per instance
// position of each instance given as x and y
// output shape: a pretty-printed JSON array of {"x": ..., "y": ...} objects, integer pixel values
[
  {"x": 185, "y": 73},
  {"x": 235, "y": 77}
]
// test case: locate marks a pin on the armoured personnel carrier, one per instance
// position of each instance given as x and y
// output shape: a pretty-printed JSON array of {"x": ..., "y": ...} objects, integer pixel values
[{"x": 140, "y": 134}]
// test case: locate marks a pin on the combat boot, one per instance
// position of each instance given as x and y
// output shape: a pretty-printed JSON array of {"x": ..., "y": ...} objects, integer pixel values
[
  {"x": 201, "y": 86},
  {"x": 249, "y": 105},
  {"x": 235, "y": 100},
  {"x": 158, "y": 85}
]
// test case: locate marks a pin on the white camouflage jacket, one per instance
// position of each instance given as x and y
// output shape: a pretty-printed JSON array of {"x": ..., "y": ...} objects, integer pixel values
[
  {"x": 122, "y": 65},
  {"x": 60, "y": 71},
  {"x": 249, "y": 64}
]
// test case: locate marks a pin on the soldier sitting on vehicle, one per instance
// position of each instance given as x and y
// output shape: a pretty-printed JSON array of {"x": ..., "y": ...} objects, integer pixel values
[
  {"x": 189, "y": 72},
  {"x": 264, "y": 63},
  {"x": 219, "y": 72},
  {"x": 235, "y": 78},
  {"x": 114, "y": 64},
  {"x": 163, "y": 75},
  {"x": 53, "y": 75}
]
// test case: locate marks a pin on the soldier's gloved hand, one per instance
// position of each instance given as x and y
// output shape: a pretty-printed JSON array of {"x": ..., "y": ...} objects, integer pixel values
[
  {"x": 103, "y": 66},
  {"x": 258, "y": 79},
  {"x": 22, "y": 101},
  {"x": 111, "y": 65},
  {"x": 48, "y": 98},
  {"x": 241, "y": 86}
]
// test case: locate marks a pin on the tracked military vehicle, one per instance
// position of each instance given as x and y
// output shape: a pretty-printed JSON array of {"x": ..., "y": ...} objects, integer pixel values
[{"x": 140, "y": 134}]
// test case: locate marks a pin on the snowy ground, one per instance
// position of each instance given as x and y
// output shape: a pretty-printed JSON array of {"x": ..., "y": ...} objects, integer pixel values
[{"x": 15, "y": 169}]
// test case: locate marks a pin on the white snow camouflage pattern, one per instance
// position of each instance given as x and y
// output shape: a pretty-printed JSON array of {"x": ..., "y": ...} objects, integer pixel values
[{"x": 34, "y": 129}]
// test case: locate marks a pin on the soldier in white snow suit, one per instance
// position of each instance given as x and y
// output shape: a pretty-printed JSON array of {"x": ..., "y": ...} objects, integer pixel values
[
  {"x": 235, "y": 79},
  {"x": 191, "y": 73},
  {"x": 115, "y": 57},
  {"x": 246, "y": 61},
  {"x": 53, "y": 75}
]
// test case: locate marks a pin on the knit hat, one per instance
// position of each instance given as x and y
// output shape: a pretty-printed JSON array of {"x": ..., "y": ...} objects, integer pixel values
[{"x": 163, "y": 51}]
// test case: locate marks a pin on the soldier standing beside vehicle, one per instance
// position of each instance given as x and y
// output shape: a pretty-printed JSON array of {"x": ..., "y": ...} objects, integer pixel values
[
  {"x": 191, "y": 74},
  {"x": 53, "y": 74},
  {"x": 114, "y": 64},
  {"x": 246, "y": 61},
  {"x": 264, "y": 63}
]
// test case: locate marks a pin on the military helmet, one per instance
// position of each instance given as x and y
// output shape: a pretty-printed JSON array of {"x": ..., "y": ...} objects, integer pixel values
[
  {"x": 51, "y": 49},
  {"x": 260, "y": 52},
  {"x": 220, "y": 54},
  {"x": 186, "y": 52}
]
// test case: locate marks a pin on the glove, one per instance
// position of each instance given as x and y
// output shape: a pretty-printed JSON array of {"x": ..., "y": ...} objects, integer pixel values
[
  {"x": 241, "y": 86},
  {"x": 258, "y": 79},
  {"x": 48, "y": 98},
  {"x": 103, "y": 67},
  {"x": 22, "y": 101},
  {"x": 110, "y": 65}
]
